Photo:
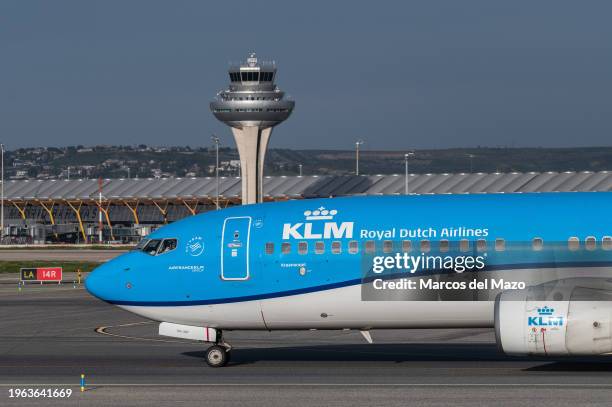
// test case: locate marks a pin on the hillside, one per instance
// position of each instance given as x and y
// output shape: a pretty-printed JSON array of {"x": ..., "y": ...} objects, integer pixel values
[{"x": 143, "y": 161}]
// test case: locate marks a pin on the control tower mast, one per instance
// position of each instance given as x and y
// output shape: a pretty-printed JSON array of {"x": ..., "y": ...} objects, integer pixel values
[{"x": 252, "y": 105}]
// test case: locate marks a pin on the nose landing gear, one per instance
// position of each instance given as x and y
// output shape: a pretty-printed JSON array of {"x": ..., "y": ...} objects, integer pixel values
[{"x": 219, "y": 354}]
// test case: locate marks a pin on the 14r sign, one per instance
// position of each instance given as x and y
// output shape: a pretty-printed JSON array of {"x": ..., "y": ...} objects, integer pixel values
[{"x": 41, "y": 274}]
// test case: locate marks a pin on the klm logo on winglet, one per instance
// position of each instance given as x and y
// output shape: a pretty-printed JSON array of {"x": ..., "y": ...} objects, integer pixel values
[
  {"x": 318, "y": 230},
  {"x": 545, "y": 318}
]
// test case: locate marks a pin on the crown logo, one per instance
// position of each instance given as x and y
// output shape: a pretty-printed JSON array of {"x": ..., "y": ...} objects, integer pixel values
[
  {"x": 320, "y": 214},
  {"x": 545, "y": 310}
]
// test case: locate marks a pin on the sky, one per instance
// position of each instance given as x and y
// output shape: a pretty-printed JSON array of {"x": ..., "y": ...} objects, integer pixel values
[{"x": 398, "y": 75}]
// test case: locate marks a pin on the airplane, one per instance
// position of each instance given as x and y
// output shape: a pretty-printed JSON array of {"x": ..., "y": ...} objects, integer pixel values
[{"x": 345, "y": 263}]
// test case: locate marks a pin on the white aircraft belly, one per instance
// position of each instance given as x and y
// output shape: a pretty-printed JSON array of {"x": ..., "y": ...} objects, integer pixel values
[
  {"x": 237, "y": 315},
  {"x": 343, "y": 308},
  {"x": 339, "y": 308},
  {"x": 331, "y": 309}
]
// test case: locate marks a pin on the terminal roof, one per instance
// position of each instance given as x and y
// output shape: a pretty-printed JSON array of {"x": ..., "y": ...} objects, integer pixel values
[{"x": 295, "y": 187}]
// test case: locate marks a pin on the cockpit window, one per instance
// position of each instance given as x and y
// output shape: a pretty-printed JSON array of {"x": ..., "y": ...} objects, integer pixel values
[
  {"x": 167, "y": 246},
  {"x": 141, "y": 244},
  {"x": 151, "y": 247},
  {"x": 155, "y": 247}
]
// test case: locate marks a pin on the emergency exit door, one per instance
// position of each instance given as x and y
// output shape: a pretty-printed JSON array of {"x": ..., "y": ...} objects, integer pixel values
[{"x": 235, "y": 248}]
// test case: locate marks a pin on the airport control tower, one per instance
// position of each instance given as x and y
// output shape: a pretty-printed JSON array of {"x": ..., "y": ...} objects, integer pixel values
[{"x": 252, "y": 105}]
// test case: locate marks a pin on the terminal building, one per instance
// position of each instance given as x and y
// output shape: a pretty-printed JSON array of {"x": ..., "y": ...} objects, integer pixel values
[{"x": 67, "y": 211}]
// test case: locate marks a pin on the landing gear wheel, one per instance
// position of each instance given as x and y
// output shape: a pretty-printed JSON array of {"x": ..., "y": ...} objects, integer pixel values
[{"x": 217, "y": 356}]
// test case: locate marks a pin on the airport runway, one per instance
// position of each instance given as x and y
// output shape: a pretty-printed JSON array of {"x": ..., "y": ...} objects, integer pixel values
[
  {"x": 59, "y": 254},
  {"x": 47, "y": 340}
]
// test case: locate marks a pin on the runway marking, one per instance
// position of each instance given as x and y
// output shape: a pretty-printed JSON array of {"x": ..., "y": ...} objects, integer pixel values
[
  {"x": 37, "y": 289},
  {"x": 102, "y": 330}
]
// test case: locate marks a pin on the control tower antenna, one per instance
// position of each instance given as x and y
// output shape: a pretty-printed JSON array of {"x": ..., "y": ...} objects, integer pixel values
[{"x": 251, "y": 106}]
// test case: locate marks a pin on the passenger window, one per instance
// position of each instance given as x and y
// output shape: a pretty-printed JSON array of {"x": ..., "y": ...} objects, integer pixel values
[
  {"x": 444, "y": 246},
  {"x": 320, "y": 247},
  {"x": 500, "y": 245},
  {"x": 303, "y": 247},
  {"x": 464, "y": 245},
  {"x": 336, "y": 248},
  {"x": 353, "y": 247},
  {"x": 269, "y": 248},
  {"x": 590, "y": 243},
  {"x": 167, "y": 246},
  {"x": 481, "y": 245},
  {"x": 573, "y": 243},
  {"x": 537, "y": 243},
  {"x": 406, "y": 246},
  {"x": 286, "y": 248},
  {"x": 606, "y": 243},
  {"x": 370, "y": 246},
  {"x": 387, "y": 246},
  {"x": 425, "y": 246},
  {"x": 151, "y": 247}
]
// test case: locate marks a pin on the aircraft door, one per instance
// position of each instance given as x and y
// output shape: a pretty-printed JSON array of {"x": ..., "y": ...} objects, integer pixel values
[{"x": 235, "y": 248}]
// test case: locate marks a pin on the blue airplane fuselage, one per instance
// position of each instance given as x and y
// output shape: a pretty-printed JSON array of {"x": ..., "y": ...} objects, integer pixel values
[{"x": 301, "y": 264}]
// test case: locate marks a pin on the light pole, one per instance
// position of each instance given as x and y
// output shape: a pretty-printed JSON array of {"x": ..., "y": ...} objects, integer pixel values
[
  {"x": 471, "y": 156},
  {"x": 300, "y": 165},
  {"x": 406, "y": 158},
  {"x": 100, "y": 237},
  {"x": 216, "y": 141},
  {"x": 2, "y": 193},
  {"x": 128, "y": 170},
  {"x": 357, "y": 144}
]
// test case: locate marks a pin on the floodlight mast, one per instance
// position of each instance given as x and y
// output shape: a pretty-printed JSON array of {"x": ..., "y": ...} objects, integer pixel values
[
  {"x": 358, "y": 143},
  {"x": 2, "y": 193},
  {"x": 100, "y": 237}
]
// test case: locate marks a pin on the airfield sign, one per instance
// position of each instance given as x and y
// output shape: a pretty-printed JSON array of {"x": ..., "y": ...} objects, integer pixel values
[{"x": 41, "y": 274}]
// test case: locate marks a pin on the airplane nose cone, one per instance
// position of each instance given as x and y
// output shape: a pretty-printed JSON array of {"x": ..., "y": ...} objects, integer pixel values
[{"x": 97, "y": 282}]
